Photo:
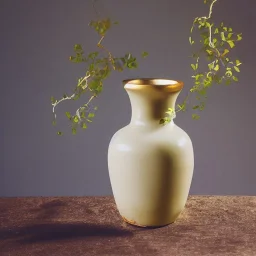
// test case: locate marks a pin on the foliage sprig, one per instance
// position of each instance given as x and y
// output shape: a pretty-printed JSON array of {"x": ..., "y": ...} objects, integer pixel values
[
  {"x": 215, "y": 45},
  {"x": 99, "y": 65}
]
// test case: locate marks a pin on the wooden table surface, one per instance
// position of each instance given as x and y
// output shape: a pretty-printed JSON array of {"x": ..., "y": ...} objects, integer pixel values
[{"x": 74, "y": 226}]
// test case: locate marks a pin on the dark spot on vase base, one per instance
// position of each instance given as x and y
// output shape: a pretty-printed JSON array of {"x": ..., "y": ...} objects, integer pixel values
[{"x": 133, "y": 223}]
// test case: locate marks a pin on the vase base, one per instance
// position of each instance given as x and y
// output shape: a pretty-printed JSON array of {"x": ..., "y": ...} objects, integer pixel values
[{"x": 133, "y": 223}]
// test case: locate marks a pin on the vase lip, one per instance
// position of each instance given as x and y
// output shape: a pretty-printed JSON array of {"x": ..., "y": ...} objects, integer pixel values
[{"x": 156, "y": 83}]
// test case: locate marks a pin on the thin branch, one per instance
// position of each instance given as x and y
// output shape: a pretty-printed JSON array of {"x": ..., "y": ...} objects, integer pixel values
[
  {"x": 67, "y": 98},
  {"x": 111, "y": 59},
  {"x": 94, "y": 7}
]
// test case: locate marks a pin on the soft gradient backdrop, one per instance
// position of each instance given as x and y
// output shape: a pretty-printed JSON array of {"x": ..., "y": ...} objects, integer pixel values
[{"x": 37, "y": 37}]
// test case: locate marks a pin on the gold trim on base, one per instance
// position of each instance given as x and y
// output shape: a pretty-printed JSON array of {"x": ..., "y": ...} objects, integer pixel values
[{"x": 133, "y": 223}]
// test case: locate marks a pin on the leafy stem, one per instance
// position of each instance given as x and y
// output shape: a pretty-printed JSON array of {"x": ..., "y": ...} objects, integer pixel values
[
  {"x": 215, "y": 44},
  {"x": 99, "y": 65}
]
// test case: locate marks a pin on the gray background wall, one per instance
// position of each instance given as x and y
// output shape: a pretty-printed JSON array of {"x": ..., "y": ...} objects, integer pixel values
[{"x": 37, "y": 37}]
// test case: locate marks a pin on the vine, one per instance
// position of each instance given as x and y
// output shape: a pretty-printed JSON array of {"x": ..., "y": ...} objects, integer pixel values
[
  {"x": 100, "y": 64},
  {"x": 216, "y": 43},
  {"x": 214, "y": 46}
]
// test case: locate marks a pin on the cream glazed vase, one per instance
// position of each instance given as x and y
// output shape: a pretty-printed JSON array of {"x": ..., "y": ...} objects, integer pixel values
[{"x": 150, "y": 165}]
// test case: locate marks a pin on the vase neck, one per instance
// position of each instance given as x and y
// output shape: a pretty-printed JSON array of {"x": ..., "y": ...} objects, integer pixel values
[{"x": 149, "y": 103}]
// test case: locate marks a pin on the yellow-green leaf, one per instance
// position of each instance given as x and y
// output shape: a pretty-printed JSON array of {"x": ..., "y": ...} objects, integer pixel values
[
  {"x": 209, "y": 52},
  {"x": 195, "y": 116},
  {"x": 74, "y": 130},
  {"x": 193, "y": 66},
  {"x": 228, "y": 73},
  {"x": 225, "y": 52},
  {"x": 211, "y": 65},
  {"x": 223, "y": 38},
  {"x": 236, "y": 69},
  {"x": 239, "y": 37},
  {"x": 230, "y": 35},
  {"x": 231, "y": 43},
  {"x": 191, "y": 41},
  {"x": 91, "y": 115},
  {"x": 76, "y": 119},
  {"x": 68, "y": 114},
  {"x": 238, "y": 63},
  {"x": 144, "y": 54},
  {"x": 217, "y": 67}
]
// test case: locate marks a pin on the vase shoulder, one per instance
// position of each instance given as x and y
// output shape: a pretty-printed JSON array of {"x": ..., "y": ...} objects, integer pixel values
[{"x": 170, "y": 136}]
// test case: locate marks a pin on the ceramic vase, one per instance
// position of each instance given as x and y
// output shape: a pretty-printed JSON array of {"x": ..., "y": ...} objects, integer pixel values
[{"x": 150, "y": 164}]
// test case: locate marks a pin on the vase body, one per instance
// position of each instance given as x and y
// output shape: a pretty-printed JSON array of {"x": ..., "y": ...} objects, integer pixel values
[{"x": 150, "y": 165}]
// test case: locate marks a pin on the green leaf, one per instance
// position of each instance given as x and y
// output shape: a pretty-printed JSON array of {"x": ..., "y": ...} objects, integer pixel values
[
  {"x": 211, "y": 65},
  {"x": 231, "y": 43},
  {"x": 195, "y": 107},
  {"x": 195, "y": 116},
  {"x": 217, "y": 67},
  {"x": 230, "y": 35},
  {"x": 95, "y": 108},
  {"x": 181, "y": 107},
  {"x": 54, "y": 122},
  {"x": 78, "y": 48},
  {"x": 53, "y": 100},
  {"x": 238, "y": 63},
  {"x": 72, "y": 58},
  {"x": 82, "y": 114},
  {"x": 68, "y": 115},
  {"x": 209, "y": 52},
  {"x": 91, "y": 115},
  {"x": 93, "y": 55},
  {"x": 144, "y": 54},
  {"x": 201, "y": 107},
  {"x": 128, "y": 56},
  {"x": 228, "y": 73},
  {"x": 84, "y": 126},
  {"x": 132, "y": 64},
  {"x": 239, "y": 37},
  {"x": 162, "y": 121},
  {"x": 202, "y": 92},
  {"x": 216, "y": 31},
  {"x": 223, "y": 38},
  {"x": 228, "y": 82},
  {"x": 76, "y": 119},
  {"x": 59, "y": 133},
  {"x": 236, "y": 69},
  {"x": 235, "y": 78},
  {"x": 74, "y": 130},
  {"x": 191, "y": 41},
  {"x": 226, "y": 51},
  {"x": 207, "y": 24},
  {"x": 193, "y": 66}
]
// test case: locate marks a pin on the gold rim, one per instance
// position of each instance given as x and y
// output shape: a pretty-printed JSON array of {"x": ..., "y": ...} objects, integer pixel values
[{"x": 156, "y": 83}]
